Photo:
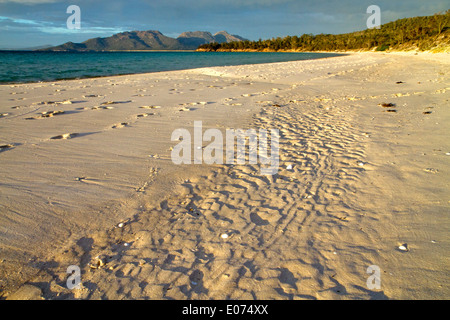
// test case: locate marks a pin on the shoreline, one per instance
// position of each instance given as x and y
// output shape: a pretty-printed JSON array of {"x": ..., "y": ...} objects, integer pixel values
[
  {"x": 127, "y": 74},
  {"x": 400, "y": 52},
  {"x": 296, "y": 242}
]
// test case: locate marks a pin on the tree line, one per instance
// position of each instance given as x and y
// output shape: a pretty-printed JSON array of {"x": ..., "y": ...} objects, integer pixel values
[{"x": 423, "y": 33}]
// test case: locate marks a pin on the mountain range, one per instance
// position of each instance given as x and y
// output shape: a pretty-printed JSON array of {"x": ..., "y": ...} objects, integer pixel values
[{"x": 148, "y": 40}]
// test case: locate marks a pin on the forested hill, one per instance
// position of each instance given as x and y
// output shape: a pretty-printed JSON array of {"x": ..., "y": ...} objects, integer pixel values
[{"x": 422, "y": 33}]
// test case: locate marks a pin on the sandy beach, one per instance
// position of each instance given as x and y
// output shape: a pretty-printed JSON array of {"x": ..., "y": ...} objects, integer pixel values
[{"x": 87, "y": 180}]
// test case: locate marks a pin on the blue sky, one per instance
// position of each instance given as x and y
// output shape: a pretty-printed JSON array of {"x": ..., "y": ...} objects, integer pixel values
[{"x": 29, "y": 23}]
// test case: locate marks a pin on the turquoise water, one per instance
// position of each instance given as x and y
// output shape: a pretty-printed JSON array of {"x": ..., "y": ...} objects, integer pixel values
[{"x": 28, "y": 66}]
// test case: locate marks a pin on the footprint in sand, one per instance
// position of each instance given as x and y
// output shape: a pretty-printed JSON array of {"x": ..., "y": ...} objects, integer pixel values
[
  {"x": 120, "y": 125},
  {"x": 186, "y": 109},
  {"x": 65, "y": 136},
  {"x": 102, "y": 107},
  {"x": 55, "y": 102},
  {"x": 115, "y": 102},
  {"x": 387, "y": 105},
  {"x": 46, "y": 114},
  {"x": 150, "y": 107},
  {"x": 88, "y": 180},
  {"x": 6, "y": 147},
  {"x": 144, "y": 115},
  {"x": 143, "y": 95},
  {"x": 440, "y": 91}
]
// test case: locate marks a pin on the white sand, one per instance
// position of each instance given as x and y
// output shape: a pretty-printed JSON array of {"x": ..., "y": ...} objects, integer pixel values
[{"x": 363, "y": 182}]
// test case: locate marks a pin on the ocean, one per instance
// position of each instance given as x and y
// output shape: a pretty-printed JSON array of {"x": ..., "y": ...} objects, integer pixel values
[{"x": 30, "y": 66}]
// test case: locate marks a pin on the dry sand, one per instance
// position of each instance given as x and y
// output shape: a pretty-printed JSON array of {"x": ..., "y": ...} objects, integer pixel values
[{"x": 94, "y": 186}]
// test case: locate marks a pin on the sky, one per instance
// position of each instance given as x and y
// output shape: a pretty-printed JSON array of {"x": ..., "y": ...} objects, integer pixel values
[{"x": 30, "y": 23}]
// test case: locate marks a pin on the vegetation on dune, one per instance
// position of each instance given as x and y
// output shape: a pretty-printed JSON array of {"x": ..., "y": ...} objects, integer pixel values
[{"x": 422, "y": 33}]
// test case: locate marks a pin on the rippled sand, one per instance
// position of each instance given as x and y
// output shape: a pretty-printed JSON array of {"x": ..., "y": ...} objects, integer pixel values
[{"x": 87, "y": 180}]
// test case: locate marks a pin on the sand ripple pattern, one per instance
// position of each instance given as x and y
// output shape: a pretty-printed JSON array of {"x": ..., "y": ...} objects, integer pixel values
[{"x": 250, "y": 236}]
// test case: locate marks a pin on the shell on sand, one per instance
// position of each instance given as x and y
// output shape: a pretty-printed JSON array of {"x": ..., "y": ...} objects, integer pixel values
[{"x": 98, "y": 263}]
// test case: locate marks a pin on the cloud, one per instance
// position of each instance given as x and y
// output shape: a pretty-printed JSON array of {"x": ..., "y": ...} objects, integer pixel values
[
  {"x": 7, "y": 20},
  {"x": 89, "y": 30},
  {"x": 9, "y": 24}
]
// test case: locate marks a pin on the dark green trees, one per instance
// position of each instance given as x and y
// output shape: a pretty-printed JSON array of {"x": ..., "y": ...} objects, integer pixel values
[{"x": 420, "y": 32}]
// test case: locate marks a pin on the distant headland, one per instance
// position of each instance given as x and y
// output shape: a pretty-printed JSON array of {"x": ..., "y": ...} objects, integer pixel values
[{"x": 147, "y": 41}]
